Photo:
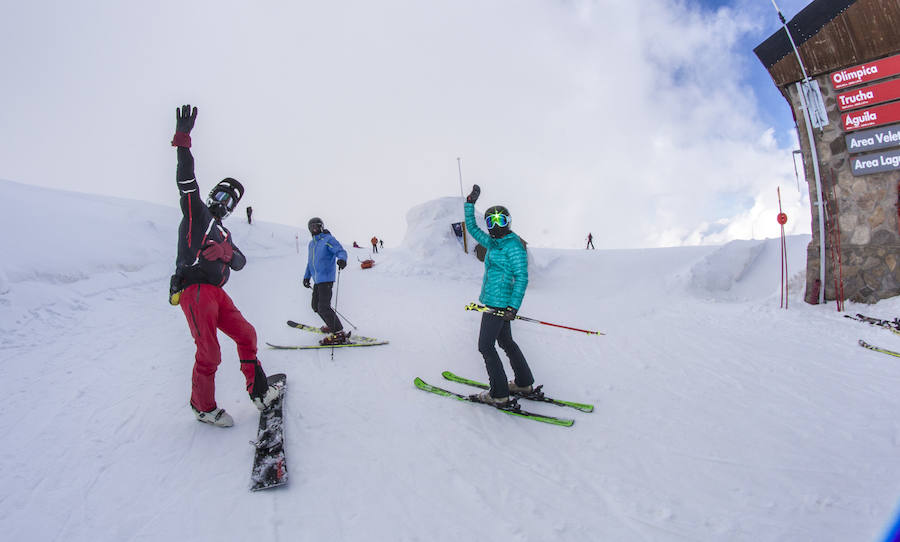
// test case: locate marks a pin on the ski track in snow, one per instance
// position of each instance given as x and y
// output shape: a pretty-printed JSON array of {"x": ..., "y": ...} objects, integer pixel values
[{"x": 724, "y": 420}]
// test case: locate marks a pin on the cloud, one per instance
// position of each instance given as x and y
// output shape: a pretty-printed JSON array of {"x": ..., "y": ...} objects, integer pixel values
[{"x": 633, "y": 121}]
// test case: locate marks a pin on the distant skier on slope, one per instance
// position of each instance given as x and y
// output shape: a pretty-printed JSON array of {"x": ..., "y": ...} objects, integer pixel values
[
  {"x": 206, "y": 256},
  {"x": 590, "y": 241},
  {"x": 324, "y": 251},
  {"x": 503, "y": 287}
]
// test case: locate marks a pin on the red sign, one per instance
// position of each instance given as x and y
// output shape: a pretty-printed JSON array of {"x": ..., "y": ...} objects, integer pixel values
[
  {"x": 873, "y": 116},
  {"x": 870, "y": 71},
  {"x": 875, "y": 94}
]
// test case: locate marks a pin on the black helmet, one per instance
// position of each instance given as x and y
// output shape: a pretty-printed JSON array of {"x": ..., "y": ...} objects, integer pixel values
[
  {"x": 224, "y": 197},
  {"x": 498, "y": 221},
  {"x": 315, "y": 225}
]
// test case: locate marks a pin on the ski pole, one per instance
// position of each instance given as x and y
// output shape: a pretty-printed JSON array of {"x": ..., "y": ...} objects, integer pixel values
[
  {"x": 345, "y": 318},
  {"x": 337, "y": 294},
  {"x": 482, "y": 308}
]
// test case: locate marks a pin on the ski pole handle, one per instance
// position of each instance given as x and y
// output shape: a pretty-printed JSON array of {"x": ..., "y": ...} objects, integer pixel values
[{"x": 482, "y": 308}]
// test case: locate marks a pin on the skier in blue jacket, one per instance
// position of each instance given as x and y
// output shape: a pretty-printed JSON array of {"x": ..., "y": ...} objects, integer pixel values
[
  {"x": 503, "y": 287},
  {"x": 323, "y": 252}
]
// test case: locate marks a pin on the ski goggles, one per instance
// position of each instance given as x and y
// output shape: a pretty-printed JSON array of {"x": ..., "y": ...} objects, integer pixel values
[
  {"x": 496, "y": 219},
  {"x": 224, "y": 198}
]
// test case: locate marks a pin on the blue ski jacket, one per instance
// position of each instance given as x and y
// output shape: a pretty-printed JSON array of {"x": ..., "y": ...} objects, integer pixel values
[
  {"x": 505, "y": 266},
  {"x": 322, "y": 253}
]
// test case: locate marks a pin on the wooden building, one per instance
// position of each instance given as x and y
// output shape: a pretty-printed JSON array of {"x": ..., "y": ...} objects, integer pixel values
[{"x": 850, "y": 143}]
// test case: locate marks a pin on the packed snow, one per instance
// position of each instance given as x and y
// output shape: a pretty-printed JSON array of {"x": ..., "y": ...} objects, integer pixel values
[{"x": 719, "y": 415}]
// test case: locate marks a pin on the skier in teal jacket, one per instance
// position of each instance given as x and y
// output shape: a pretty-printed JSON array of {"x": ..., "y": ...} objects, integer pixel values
[{"x": 503, "y": 287}]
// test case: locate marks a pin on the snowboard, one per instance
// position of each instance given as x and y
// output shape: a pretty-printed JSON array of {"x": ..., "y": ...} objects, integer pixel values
[{"x": 269, "y": 465}]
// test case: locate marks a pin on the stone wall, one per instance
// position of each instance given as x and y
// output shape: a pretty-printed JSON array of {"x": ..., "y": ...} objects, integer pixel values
[{"x": 866, "y": 207}]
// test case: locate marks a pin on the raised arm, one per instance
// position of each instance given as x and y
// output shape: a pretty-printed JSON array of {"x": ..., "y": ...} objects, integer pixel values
[
  {"x": 184, "y": 174},
  {"x": 471, "y": 224}
]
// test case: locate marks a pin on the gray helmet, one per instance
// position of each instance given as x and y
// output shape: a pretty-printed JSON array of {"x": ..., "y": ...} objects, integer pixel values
[
  {"x": 315, "y": 225},
  {"x": 498, "y": 221}
]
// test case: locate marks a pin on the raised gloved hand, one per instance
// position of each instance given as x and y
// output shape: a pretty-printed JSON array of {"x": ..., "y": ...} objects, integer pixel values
[
  {"x": 473, "y": 195},
  {"x": 341, "y": 264},
  {"x": 509, "y": 314},
  {"x": 218, "y": 251},
  {"x": 306, "y": 283},
  {"x": 184, "y": 123}
]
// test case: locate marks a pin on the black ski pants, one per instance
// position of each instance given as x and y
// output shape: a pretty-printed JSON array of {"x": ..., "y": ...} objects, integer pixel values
[
  {"x": 496, "y": 330},
  {"x": 321, "y": 303}
]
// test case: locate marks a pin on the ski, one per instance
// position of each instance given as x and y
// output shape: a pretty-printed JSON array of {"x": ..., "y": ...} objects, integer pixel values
[
  {"x": 513, "y": 409},
  {"x": 891, "y": 325},
  {"x": 313, "y": 329},
  {"x": 321, "y": 346},
  {"x": 864, "y": 344},
  {"x": 269, "y": 465},
  {"x": 536, "y": 395}
]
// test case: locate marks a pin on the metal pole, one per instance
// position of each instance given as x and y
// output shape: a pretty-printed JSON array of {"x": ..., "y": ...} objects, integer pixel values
[
  {"x": 814, "y": 155},
  {"x": 462, "y": 194}
]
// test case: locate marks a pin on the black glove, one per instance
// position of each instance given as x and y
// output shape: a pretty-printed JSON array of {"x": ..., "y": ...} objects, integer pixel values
[
  {"x": 184, "y": 119},
  {"x": 473, "y": 195},
  {"x": 509, "y": 314},
  {"x": 341, "y": 264},
  {"x": 306, "y": 283}
]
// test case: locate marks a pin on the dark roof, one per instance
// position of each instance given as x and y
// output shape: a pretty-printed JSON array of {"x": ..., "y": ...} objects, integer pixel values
[{"x": 803, "y": 26}]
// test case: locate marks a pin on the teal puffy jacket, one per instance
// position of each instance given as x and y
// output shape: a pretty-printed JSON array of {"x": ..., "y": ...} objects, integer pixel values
[{"x": 505, "y": 266}]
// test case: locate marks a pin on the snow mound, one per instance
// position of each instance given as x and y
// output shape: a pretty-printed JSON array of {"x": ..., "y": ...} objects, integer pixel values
[
  {"x": 745, "y": 270},
  {"x": 430, "y": 247},
  {"x": 61, "y": 247}
]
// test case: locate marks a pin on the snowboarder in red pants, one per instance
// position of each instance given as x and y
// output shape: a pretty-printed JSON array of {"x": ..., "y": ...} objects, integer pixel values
[{"x": 206, "y": 256}]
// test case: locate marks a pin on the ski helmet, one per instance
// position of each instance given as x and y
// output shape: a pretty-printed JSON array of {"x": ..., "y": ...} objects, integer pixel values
[
  {"x": 498, "y": 221},
  {"x": 224, "y": 197},
  {"x": 315, "y": 225}
]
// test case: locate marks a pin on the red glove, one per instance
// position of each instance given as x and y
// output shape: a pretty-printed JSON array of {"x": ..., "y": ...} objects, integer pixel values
[{"x": 218, "y": 251}]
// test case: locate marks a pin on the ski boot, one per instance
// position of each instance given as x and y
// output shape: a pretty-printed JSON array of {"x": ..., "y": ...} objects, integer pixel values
[
  {"x": 338, "y": 337},
  {"x": 486, "y": 398},
  {"x": 521, "y": 390},
  {"x": 216, "y": 416}
]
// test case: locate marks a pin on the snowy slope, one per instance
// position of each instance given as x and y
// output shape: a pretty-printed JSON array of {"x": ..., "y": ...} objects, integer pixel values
[{"x": 718, "y": 415}]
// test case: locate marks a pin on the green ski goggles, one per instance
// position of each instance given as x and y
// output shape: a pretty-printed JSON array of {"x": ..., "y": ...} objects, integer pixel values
[{"x": 496, "y": 219}]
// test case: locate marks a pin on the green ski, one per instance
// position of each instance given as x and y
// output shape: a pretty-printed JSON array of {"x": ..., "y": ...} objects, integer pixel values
[
  {"x": 864, "y": 344},
  {"x": 536, "y": 395},
  {"x": 513, "y": 410}
]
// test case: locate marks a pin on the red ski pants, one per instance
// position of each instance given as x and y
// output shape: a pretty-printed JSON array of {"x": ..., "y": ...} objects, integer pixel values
[{"x": 208, "y": 308}]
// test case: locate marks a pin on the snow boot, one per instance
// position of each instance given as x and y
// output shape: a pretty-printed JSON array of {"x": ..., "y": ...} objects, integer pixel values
[
  {"x": 485, "y": 397},
  {"x": 216, "y": 416},
  {"x": 265, "y": 399},
  {"x": 521, "y": 390},
  {"x": 338, "y": 337}
]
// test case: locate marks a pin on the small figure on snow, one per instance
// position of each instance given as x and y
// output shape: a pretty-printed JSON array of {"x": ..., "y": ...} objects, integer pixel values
[
  {"x": 381, "y": 243},
  {"x": 206, "y": 256},
  {"x": 355, "y": 245},
  {"x": 505, "y": 280},
  {"x": 324, "y": 252},
  {"x": 375, "y": 245},
  {"x": 590, "y": 243},
  {"x": 249, "y": 215}
]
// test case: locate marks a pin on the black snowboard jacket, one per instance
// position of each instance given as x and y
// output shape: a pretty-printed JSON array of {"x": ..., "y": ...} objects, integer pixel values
[{"x": 198, "y": 227}]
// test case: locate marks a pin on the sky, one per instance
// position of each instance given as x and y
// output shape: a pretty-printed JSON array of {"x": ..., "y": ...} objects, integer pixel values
[{"x": 645, "y": 123}]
